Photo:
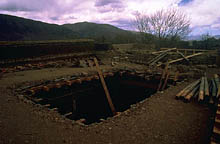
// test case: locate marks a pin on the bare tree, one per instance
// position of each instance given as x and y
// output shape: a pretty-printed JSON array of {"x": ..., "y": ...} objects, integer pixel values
[{"x": 165, "y": 24}]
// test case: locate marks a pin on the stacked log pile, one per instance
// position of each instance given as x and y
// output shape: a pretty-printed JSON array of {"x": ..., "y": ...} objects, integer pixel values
[{"x": 201, "y": 90}]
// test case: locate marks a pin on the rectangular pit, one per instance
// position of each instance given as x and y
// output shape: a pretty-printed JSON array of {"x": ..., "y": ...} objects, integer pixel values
[{"x": 85, "y": 98}]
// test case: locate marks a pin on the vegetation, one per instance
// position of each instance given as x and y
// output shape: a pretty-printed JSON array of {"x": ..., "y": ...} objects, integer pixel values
[{"x": 165, "y": 25}]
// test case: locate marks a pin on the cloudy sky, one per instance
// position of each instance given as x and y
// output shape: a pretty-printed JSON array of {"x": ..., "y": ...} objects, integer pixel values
[{"x": 204, "y": 14}]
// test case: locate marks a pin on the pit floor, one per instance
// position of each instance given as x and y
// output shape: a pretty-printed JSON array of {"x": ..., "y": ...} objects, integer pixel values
[{"x": 160, "y": 119}]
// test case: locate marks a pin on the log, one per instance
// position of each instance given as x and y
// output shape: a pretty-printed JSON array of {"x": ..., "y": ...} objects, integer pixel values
[
  {"x": 157, "y": 58},
  {"x": 67, "y": 114},
  {"x": 180, "y": 59},
  {"x": 211, "y": 101},
  {"x": 206, "y": 87},
  {"x": 201, "y": 90},
  {"x": 182, "y": 91},
  {"x": 165, "y": 82},
  {"x": 105, "y": 87},
  {"x": 163, "y": 76},
  {"x": 216, "y": 78},
  {"x": 187, "y": 91},
  {"x": 214, "y": 88},
  {"x": 164, "y": 51},
  {"x": 192, "y": 93},
  {"x": 218, "y": 93},
  {"x": 183, "y": 56}
]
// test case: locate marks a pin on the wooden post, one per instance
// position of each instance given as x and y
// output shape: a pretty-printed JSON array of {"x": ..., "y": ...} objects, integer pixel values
[
  {"x": 163, "y": 76},
  {"x": 175, "y": 77},
  {"x": 165, "y": 82},
  {"x": 105, "y": 87}
]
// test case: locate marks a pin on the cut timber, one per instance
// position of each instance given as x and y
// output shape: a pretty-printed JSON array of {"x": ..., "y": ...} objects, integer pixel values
[
  {"x": 157, "y": 58},
  {"x": 218, "y": 93},
  {"x": 182, "y": 91},
  {"x": 180, "y": 59},
  {"x": 216, "y": 130},
  {"x": 206, "y": 87},
  {"x": 201, "y": 90},
  {"x": 163, "y": 76},
  {"x": 105, "y": 87},
  {"x": 190, "y": 88},
  {"x": 214, "y": 88},
  {"x": 183, "y": 56},
  {"x": 218, "y": 112},
  {"x": 192, "y": 93},
  {"x": 67, "y": 114},
  {"x": 217, "y": 120},
  {"x": 216, "y": 78},
  {"x": 164, "y": 51}
]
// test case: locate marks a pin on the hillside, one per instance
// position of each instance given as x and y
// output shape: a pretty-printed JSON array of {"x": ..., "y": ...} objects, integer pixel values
[
  {"x": 102, "y": 32},
  {"x": 14, "y": 28}
]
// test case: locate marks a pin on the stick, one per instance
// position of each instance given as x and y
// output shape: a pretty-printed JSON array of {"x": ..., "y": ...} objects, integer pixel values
[
  {"x": 105, "y": 87},
  {"x": 163, "y": 76},
  {"x": 164, "y": 51},
  {"x": 165, "y": 82},
  {"x": 180, "y": 59}
]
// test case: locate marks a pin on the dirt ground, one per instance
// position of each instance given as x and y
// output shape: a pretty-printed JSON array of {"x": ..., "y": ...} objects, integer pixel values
[{"x": 160, "y": 119}]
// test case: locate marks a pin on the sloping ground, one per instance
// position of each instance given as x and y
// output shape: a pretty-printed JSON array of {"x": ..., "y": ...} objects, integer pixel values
[{"x": 159, "y": 119}]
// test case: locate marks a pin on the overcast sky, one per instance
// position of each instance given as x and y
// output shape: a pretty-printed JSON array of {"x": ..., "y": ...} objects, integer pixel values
[{"x": 205, "y": 14}]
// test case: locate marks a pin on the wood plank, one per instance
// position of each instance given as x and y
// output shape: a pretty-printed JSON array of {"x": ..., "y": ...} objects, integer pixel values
[
  {"x": 162, "y": 51},
  {"x": 105, "y": 87}
]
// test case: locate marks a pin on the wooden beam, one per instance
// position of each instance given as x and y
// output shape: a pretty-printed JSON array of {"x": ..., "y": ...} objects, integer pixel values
[
  {"x": 105, "y": 87},
  {"x": 180, "y": 59},
  {"x": 183, "y": 56},
  {"x": 167, "y": 50}
]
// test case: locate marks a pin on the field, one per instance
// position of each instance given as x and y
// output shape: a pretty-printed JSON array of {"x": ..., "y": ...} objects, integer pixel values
[{"x": 57, "y": 97}]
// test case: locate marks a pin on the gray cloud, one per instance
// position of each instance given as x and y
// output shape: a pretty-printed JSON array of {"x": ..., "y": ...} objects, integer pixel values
[
  {"x": 99, "y": 3},
  {"x": 105, "y": 6},
  {"x": 122, "y": 23},
  {"x": 26, "y": 5}
]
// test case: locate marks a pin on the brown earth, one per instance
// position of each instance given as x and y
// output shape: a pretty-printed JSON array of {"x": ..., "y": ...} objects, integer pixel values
[{"x": 159, "y": 119}]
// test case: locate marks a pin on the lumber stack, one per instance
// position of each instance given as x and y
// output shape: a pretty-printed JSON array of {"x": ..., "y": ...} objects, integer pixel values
[{"x": 201, "y": 90}]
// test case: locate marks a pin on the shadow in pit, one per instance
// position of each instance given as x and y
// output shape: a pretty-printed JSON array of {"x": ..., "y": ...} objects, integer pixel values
[{"x": 88, "y": 101}]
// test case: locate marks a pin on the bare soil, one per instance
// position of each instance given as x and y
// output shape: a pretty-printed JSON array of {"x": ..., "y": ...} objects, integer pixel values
[{"x": 159, "y": 119}]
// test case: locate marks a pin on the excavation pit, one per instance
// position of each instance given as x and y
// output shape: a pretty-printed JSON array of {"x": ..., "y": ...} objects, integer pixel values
[{"x": 85, "y": 99}]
